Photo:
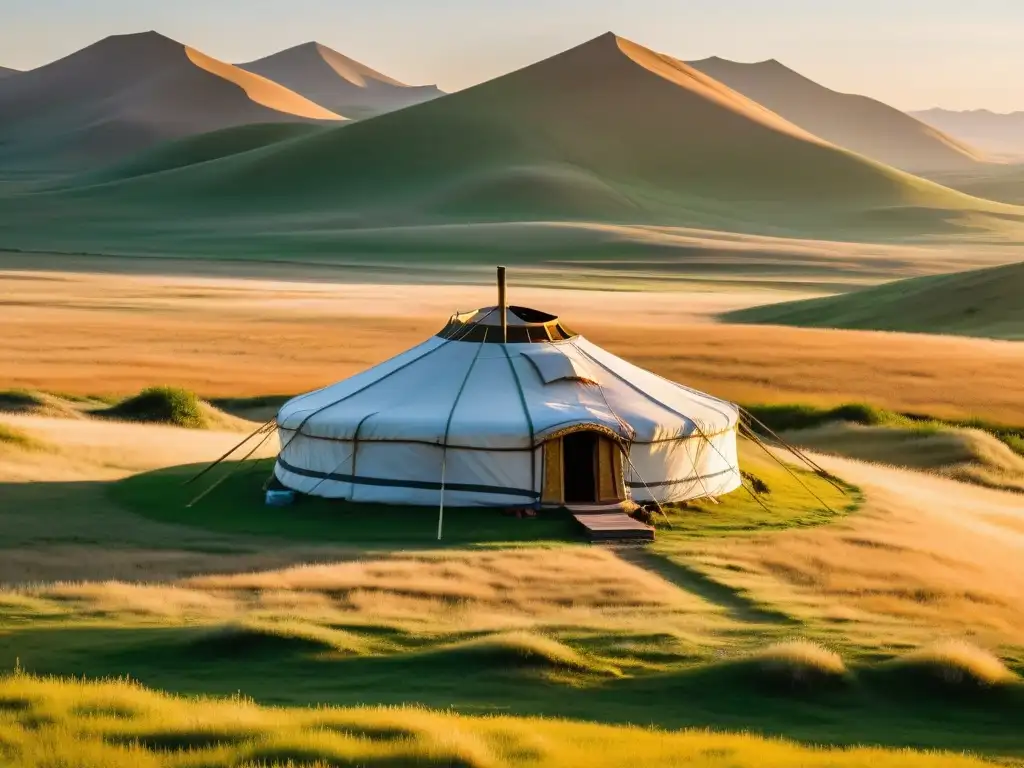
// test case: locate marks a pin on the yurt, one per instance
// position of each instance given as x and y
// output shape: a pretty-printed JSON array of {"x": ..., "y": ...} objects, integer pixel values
[{"x": 507, "y": 407}]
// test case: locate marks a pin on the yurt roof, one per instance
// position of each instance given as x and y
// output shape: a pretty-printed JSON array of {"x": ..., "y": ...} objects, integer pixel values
[
  {"x": 524, "y": 325},
  {"x": 461, "y": 390}
]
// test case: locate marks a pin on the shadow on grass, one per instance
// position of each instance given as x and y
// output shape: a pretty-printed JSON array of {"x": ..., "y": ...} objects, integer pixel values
[
  {"x": 738, "y": 605},
  {"x": 236, "y": 506}
]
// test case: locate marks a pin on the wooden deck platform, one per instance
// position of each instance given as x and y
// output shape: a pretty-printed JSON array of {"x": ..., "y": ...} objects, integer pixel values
[{"x": 613, "y": 526}]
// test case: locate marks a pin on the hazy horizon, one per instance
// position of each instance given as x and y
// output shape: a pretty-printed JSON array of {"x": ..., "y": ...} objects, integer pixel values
[{"x": 925, "y": 54}]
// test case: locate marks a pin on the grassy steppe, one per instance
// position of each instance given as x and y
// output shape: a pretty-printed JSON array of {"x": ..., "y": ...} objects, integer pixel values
[
  {"x": 116, "y": 335},
  {"x": 108, "y": 575}
]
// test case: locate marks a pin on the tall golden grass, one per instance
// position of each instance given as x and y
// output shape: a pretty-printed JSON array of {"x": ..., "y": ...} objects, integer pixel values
[
  {"x": 959, "y": 664},
  {"x": 117, "y": 724}
]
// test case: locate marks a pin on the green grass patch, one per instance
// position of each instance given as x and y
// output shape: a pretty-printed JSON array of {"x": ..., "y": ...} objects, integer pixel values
[
  {"x": 161, "y": 405},
  {"x": 237, "y": 506},
  {"x": 775, "y": 498}
]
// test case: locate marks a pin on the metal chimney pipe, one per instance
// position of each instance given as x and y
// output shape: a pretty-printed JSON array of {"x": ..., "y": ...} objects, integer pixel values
[{"x": 503, "y": 305}]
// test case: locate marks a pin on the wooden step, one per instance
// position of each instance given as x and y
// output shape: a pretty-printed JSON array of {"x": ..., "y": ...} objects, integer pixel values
[{"x": 613, "y": 526}]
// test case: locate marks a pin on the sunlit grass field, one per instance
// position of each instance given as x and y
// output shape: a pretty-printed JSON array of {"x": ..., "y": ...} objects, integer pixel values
[
  {"x": 508, "y": 619},
  {"x": 116, "y": 723}
]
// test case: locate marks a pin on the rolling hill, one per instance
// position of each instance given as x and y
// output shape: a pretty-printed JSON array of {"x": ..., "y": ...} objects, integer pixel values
[
  {"x": 339, "y": 83},
  {"x": 201, "y": 148},
  {"x": 605, "y": 139},
  {"x": 991, "y": 131},
  {"x": 126, "y": 93},
  {"x": 7, "y": 72},
  {"x": 864, "y": 125},
  {"x": 984, "y": 302}
]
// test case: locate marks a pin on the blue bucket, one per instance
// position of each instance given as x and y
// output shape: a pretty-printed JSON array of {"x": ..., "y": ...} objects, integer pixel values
[{"x": 279, "y": 498}]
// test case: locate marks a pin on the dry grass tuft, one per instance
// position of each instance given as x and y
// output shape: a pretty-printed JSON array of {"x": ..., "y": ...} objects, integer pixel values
[
  {"x": 16, "y": 438},
  {"x": 526, "y": 649},
  {"x": 247, "y": 638},
  {"x": 800, "y": 664},
  {"x": 957, "y": 665},
  {"x": 38, "y": 403},
  {"x": 173, "y": 406}
]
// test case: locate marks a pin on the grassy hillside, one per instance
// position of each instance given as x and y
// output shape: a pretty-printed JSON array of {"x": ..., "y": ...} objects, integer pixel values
[
  {"x": 201, "y": 149},
  {"x": 608, "y": 132},
  {"x": 984, "y": 302},
  {"x": 856, "y": 122}
]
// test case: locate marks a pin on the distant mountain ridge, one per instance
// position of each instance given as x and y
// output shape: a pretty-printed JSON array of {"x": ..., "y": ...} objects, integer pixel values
[
  {"x": 859, "y": 123},
  {"x": 7, "y": 72},
  {"x": 337, "y": 82},
  {"x": 606, "y": 129},
  {"x": 130, "y": 92},
  {"x": 601, "y": 137},
  {"x": 1001, "y": 133}
]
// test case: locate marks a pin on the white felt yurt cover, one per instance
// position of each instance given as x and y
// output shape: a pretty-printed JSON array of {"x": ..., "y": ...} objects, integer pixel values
[{"x": 464, "y": 418}]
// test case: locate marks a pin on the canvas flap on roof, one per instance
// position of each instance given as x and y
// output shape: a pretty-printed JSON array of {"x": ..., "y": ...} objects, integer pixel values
[{"x": 555, "y": 365}]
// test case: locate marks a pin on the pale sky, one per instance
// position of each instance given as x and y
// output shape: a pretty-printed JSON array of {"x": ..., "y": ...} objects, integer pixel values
[{"x": 913, "y": 54}]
